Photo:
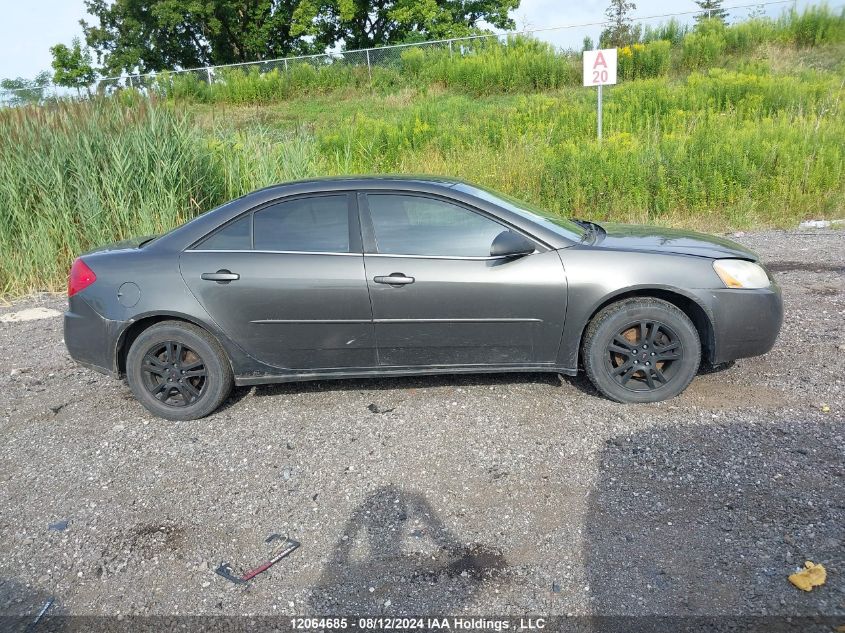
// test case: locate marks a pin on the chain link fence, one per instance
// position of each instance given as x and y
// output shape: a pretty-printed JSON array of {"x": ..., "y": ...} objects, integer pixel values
[
  {"x": 370, "y": 58},
  {"x": 42, "y": 91}
]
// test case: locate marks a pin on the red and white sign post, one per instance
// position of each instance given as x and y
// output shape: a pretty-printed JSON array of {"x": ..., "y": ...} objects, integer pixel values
[{"x": 600, "y": 70}]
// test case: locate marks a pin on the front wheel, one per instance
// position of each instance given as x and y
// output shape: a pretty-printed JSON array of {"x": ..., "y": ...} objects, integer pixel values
[
  {"x": 178, "y": 371},
  {"x": 641, "y": 350}
]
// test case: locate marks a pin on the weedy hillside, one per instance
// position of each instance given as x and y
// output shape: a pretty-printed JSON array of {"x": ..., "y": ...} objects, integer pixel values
[{"x": 717, "y": 128}]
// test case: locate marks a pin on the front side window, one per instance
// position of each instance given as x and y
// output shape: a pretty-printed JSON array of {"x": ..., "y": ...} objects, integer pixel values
[
  {"x": 317, "y": 224},
  {"x": 416, "y": 225}
]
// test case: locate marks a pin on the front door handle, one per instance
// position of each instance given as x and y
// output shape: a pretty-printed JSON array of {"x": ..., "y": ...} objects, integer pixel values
[
  {"x": 394, "y": 279},
  {"x": 221, "y": 276}
]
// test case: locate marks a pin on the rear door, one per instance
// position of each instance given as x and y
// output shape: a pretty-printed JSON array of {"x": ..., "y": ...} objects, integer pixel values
[
  {"x": 440, "y": 299},
  {"x": 286, "y": 282}
]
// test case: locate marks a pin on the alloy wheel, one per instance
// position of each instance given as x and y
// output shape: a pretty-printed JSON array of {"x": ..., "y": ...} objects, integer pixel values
[
  {"x": 644, "y": 355},
  {"x": 174, "y": 374}
]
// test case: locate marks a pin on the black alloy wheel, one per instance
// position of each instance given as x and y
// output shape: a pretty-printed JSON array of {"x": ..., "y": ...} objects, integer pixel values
[
  {"x": 644, "y": 355},
  {"x": 174, "y": 374},
  {"x": 641, "y": 349},
  {"x": 178, "y": 371}
]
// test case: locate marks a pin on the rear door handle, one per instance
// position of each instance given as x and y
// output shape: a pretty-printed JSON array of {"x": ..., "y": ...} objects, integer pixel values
[
  {"x": 394, "y": 279},
  {"x": 221, "y": 276}
]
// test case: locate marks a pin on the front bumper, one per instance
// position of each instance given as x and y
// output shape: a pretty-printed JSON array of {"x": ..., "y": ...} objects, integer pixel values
[
  {"x": 90, "y": 338},
  {"x": 745, "y": 322}
]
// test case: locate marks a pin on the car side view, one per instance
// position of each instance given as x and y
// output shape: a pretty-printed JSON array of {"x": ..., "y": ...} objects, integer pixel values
[{"x": 357, "y": 277}]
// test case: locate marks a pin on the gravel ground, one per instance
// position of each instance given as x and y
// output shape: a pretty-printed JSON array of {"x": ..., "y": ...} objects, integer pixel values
[{"x": 512, "y": 494}]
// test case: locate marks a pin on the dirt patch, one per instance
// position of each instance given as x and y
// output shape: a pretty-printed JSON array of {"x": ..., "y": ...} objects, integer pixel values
[
  {"x": 812, "y": 267},
  {"x": 708, "y": 392}
]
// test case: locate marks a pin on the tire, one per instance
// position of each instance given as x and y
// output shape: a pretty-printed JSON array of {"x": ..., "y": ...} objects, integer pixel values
[
  {"x": 630, "y": 345},
  {"x": 178, "y": 371}
]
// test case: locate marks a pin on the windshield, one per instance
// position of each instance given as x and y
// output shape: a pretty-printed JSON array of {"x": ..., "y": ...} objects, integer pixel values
[{"x": 562, "y": 226}]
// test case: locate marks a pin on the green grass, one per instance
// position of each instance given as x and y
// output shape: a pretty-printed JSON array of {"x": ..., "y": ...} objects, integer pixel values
[
  {"x": 758, "y": 140},
  {"x": 76, "y": 175}
]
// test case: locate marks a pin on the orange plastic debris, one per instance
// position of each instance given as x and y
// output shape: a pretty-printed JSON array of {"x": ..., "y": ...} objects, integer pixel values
[{"x": 811, "y": 576}]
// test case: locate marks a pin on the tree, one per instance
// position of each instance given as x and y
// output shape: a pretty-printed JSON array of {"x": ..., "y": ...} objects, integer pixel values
[
  {"x": 72, "y": 67},
  {"x": 711, "y": 10},
  {"x": 371, "y": 23},
  {"x": 22, "y": 91},
  {"x": 153, "y": 35},
  {"x": 618, "y": 32}
]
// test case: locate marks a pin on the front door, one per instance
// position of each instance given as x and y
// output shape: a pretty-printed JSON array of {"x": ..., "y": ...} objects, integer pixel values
[
  {"x": 440, "y": 299},
  {"x": 286, "y": 282}
]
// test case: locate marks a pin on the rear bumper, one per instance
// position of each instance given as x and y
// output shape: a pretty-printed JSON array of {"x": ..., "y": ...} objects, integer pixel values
[
  {"x": 745, "y": 322},
  {"x": 90, "y": 338}
]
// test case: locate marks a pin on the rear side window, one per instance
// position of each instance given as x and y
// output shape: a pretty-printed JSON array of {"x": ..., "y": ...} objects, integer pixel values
[
  {"x": 317, "y": 224},
  {"x": 235, "y": 236},
  {"x": 415, "y": 225}
]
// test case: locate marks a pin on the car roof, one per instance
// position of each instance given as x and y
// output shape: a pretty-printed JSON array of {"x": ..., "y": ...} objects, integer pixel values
[
  {"x": 383, "y": 181},
  {"x": 188, "y": 233}
]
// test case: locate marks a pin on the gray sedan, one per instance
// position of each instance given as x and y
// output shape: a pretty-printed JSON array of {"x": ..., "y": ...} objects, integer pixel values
[{"x": 342, "y": 278}]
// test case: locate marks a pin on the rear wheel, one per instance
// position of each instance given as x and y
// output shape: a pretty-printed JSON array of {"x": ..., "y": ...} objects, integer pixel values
[
  {"x": 178, "y": 371},
  {"x": 641, "y": 350}
]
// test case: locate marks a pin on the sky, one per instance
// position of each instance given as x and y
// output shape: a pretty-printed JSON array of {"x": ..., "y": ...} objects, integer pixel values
[{"x": 31, "y": 27}]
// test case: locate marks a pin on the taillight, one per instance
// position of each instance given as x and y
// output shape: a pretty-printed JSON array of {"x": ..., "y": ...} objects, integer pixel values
[{"x": 80, "y": 277}]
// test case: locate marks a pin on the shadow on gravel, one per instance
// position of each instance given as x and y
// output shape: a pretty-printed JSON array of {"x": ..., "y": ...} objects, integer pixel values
[
  {"x": 396, "y": 557},
  {"x": 407, "y": 382},
  {"x": 710, "y": 520},
  {"x": 579, "y": 382},
  {"x": 25, "y": 609}
]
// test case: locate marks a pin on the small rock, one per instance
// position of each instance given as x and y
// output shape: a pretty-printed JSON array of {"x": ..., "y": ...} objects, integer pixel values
[{"x": 58, "y": 526}]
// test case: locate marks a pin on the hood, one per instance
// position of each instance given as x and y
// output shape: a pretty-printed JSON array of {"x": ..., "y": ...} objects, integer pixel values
[
  {"x": 637, "y": 237},
  {"x": 131, "y": 243}
]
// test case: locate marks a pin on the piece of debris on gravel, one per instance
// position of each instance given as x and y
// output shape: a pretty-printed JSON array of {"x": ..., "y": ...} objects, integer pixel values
[{"x": 812, "y": 575}]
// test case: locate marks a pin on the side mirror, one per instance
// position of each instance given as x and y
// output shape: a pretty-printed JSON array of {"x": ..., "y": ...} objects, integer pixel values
[{"x": 510, "y": 244}]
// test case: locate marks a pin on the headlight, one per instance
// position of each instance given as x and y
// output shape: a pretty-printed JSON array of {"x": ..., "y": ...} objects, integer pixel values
[{"x": 738, "y": 273}]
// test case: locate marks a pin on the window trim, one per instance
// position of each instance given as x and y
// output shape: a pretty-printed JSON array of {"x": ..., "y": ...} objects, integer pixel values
[
  {"x": 369, "y": 236},
  {"x": 266, "y": 252},
  {"x": 355, "y": 242}
]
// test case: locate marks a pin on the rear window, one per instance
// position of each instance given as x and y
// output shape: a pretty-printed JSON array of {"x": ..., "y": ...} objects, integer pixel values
[
  {"x": 235, "y": 236},
  {"x": 317, "y": 224}
]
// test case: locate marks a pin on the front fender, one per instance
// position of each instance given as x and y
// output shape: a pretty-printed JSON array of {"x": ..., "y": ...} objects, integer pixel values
[{"x": 597, "y": 278}]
